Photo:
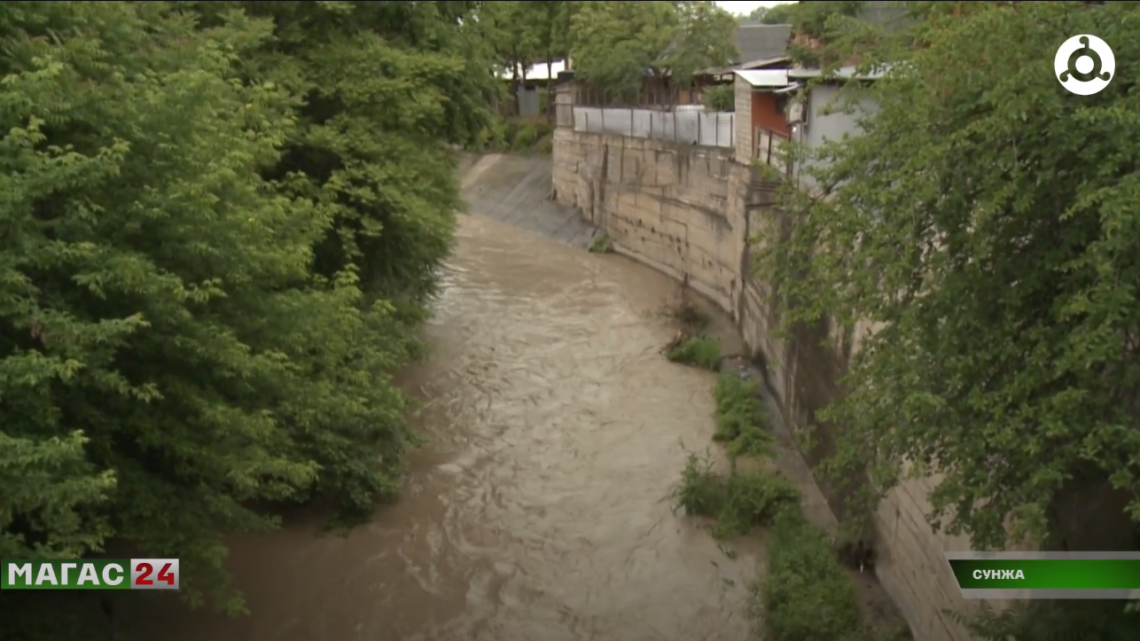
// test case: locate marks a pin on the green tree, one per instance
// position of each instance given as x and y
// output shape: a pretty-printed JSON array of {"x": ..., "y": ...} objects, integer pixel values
[
  {"x": 143, "y": 260},
  {"x": 777, "y": 14},
  {"x": 221, "y": 223},
  {"x": 383, "y": 85},
  {"x": 519, "y": 32},
  {"x": 702, "y": 39},
  {"x": 615, "y": 44},
  {"x": 562, "y": 31},
  {"x": 523, "y": 33},
  {"x": 985, "y": 224},
  {"x": 814, "y": 18}
]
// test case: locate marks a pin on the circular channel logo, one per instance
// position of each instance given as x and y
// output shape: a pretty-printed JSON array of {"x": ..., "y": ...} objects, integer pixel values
[{"x": 1084, "y": 64}]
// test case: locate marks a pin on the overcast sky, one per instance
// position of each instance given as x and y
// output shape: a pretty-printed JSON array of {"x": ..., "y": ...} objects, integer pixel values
[{"x": 745, "y": 8}]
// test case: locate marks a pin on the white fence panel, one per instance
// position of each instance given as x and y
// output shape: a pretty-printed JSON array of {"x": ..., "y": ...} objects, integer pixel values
[
  {"x": 642, "y": 123},
  {"x": 686, "y": 127}
]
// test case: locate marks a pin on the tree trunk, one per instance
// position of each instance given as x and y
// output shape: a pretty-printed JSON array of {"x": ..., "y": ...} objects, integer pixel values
[
  {"x": 513, "y": 107},
  {"x": 525, "y": 64},
  {"x": 549, "y": 87}
]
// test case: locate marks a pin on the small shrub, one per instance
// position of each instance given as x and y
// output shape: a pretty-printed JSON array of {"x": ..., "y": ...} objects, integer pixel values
[
  {"x": 807, "y": 594},
  {"x": 525, "y": 136},
  {"x": 601, "y": 244},
  {"x": 542, "y": 127},
  {"x": 738, "y": 406},
  {"x": 738, "y": 502},
  {"x": 701, "y": 491},
  {"x": 741, "y": 418},
  {"x": 490, "y": 138},
  {"x": 753, "y": 499},
  {"x": 721, "y": 98},
  {"x": 698, "y": 351}
]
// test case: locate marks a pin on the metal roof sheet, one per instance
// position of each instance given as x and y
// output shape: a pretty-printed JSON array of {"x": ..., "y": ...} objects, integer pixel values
[{"x": 764, "y": 77}]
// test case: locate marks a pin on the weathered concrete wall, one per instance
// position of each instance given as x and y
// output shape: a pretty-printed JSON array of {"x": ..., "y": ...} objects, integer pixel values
[
  {"x": 690, "y": 212},
  {"x": 666, "y": 204}
]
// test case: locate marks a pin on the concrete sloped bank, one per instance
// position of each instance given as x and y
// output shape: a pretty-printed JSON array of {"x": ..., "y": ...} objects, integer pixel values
[{"x": 515, "y": 189}]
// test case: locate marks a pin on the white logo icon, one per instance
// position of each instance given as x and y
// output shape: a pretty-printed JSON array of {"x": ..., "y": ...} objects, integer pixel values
[{"x": 1084, "y": 64}]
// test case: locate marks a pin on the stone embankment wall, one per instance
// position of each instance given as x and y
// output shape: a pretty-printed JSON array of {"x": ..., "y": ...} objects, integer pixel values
[{"x": 690, "y": 212}]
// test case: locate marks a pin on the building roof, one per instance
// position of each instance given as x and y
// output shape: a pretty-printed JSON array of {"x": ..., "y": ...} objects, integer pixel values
[
  {"x": 780, "y": 62},
  {"x": 843, "y": 73},
  {"x": 757, "y": 41},
  {"x": 764, "y": 78}
]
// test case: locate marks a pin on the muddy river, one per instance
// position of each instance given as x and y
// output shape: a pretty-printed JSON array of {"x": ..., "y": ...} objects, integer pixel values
[{"x": 541, "y": 510}]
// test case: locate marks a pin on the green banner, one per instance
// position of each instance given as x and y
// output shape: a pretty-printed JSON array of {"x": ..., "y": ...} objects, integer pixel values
[
  {"x": 1047, "y": 574},
  {"x": 65, "y": 574}
]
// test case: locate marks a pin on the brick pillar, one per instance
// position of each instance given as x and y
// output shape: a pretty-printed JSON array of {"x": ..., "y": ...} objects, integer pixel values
[
  {"x": 742, "y": 121},
  {"x": 564, "y": 105}
]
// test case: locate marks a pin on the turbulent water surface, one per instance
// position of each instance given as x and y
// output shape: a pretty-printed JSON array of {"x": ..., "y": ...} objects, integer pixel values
[{"x": 541, "y": 511}]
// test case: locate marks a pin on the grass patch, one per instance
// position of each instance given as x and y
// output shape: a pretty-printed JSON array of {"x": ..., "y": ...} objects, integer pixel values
[
  {"x": 807, "y": 594},
  {"x": 516, "y": 134},
  {"x": 601, "y": 244},
  {"x": 738, "y": 502},
  {"x": 524, "y": 136},
  {"x": 741, "y": 419},
  {"x": 698, "y": 351}
]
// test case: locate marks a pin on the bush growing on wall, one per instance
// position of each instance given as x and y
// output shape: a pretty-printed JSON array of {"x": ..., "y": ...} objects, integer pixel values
[{"x": 721, "y": 98}]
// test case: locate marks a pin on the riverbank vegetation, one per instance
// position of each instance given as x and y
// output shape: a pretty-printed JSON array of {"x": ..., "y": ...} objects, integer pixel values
[
  {"x": 693, "y": 345},
  {"x": 601, "y": 244},
  {"x": 699, "y": 351},
  {"x": 519, "y": 135},
  {"x": 221, "y": 227},
  {"x": 805, "y": 593},
  {"x": 1001, "y": 272},
  {"x": 737, "y": 500},
  {"x": 741, "y": 418}
]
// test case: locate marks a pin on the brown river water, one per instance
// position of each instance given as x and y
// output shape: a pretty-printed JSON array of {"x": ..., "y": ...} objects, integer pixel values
[{"x": 541, "y": 511}]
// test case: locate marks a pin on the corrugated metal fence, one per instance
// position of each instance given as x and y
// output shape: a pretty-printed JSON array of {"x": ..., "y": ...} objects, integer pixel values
[{"x": 689, "y": 127}]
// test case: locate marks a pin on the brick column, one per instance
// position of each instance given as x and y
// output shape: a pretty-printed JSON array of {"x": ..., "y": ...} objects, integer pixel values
[{"x": 742, "y": 121}]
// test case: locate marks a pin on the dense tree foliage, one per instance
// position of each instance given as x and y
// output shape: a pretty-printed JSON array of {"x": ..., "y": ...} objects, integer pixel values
[
  {"x": 986, "y": 226},
  {"x": 808, "y": 18},
  {"x": 776, "y": 14},
  {"x": 221, "y": 226},
  {"x": 615, "y": 45},
  {"x": 522, "y": 34}
]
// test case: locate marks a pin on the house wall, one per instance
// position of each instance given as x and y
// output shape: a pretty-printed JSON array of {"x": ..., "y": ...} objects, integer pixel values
[
  {"x": 767, "y": 114},
  {"x": 691, "y": 213},
  {"x": 822, "y": 126}
]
